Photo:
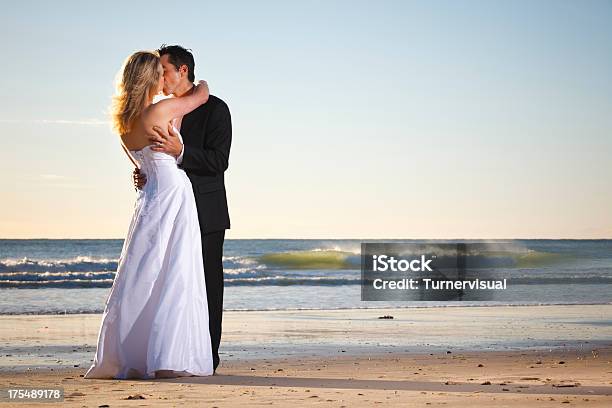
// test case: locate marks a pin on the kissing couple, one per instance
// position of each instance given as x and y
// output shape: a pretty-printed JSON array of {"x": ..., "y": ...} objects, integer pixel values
[{"x": 163, "y": 315}]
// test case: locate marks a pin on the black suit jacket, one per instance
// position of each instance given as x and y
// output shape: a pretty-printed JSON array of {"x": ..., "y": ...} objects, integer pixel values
[{"x": 207, "y": 137}]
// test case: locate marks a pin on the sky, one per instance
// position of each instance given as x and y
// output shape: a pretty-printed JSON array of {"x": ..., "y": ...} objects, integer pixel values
[{"x": 351, "y": 119}]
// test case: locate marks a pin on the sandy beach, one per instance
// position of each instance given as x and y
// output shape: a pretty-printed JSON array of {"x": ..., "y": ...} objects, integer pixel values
[{"x": 457, "y": 356}]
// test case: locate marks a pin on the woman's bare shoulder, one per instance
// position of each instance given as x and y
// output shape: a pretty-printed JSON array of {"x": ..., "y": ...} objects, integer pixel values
[{"x": 154, "y": 115}]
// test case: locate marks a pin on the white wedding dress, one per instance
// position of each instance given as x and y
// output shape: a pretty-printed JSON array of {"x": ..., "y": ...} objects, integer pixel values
[{"x": 156, "y": 315}]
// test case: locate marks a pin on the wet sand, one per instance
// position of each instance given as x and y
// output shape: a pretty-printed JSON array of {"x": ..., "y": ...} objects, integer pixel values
[{"x": 474, "y": 356}]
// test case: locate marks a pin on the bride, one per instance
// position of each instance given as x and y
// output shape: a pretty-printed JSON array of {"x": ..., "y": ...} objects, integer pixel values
[{"x": 155, "y": 321}]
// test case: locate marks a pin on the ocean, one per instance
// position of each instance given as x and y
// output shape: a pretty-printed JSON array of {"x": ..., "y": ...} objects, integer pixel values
[{"x": 66, "y": 276}]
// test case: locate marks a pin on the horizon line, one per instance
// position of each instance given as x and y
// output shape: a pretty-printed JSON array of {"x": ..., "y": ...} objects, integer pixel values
[{"x": 344, "y": 238}]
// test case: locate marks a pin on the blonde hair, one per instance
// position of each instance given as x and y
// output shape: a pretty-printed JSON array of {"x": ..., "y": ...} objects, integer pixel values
[{"x": 136, "y": 83}]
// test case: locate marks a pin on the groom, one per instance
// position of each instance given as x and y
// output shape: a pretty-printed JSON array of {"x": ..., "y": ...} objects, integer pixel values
[{"x": 207, "y": 134}]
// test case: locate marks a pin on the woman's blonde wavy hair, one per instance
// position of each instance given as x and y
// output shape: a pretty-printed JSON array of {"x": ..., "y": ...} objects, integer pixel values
[{"x": 136, "y": 83}]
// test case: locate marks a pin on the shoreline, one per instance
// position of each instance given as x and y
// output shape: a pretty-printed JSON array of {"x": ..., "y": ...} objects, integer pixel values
[
  {"x": 67, "y": 340},
  {"x": 306, "y": 309}
]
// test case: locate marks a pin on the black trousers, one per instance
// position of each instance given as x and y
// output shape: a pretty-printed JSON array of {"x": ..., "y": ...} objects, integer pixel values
[{"x": 212, "y": 251}]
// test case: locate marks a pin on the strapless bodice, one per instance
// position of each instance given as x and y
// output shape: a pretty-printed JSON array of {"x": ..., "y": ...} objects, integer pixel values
[
  {"x": 148, "y": 158},
  {"x": 161, "y": 170}
]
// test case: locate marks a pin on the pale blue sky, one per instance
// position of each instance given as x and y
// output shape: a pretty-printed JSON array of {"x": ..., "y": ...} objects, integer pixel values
[{"x": 408, "y": 119}]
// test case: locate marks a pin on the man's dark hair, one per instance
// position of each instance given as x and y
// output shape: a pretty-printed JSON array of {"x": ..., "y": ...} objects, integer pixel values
[{"x": 179, "y": 56}]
